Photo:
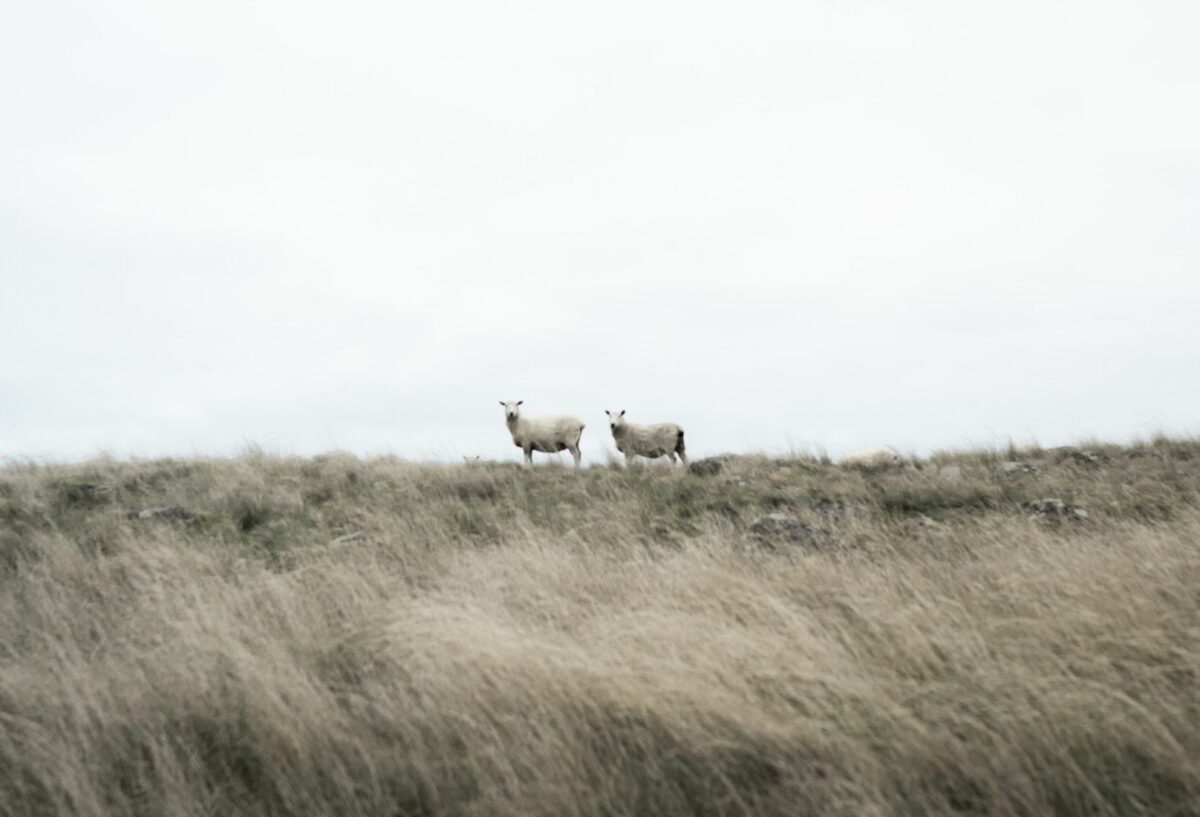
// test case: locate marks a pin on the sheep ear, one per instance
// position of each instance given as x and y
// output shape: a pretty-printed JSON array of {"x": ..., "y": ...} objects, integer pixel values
[
  {"x": 622, "y": 414},
  {"x": 519, "y": 402},
  {"x": 502, "y": 402},
  {"x": 609, "y": 413}
]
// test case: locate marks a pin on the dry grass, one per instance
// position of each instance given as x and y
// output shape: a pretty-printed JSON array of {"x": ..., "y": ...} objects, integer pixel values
[{"x": 337, "y": 637}]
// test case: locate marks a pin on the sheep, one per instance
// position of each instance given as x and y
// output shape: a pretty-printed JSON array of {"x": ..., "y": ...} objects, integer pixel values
[
  {"x": 662, "y": 439},
  {"x": 546, "y": 434},
  {"x": 873, "y": 458}
]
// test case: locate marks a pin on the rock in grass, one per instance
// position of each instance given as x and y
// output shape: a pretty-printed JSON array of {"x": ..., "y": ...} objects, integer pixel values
[
  {"x": 86, "y": 493},
  {"x": 951, "y": 474},
  {"x": 841, "y": 510},
  {"x": 776, "y": 531},
  {"x": 1080, "y": 456},
  {"x": 1053, "y": 509},
  {"x": 928, "y": 523},
  {"x": 710, "y": 466},
  {"x": 170, "y": 512}
]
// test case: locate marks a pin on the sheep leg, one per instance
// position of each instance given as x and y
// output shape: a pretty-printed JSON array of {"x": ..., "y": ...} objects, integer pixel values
[
  {"x": 576, "y": 453},
  {"x": 528, "y": 456},
  {"x": 671, "y": 454},
  {"x": 628, "y": 459}
]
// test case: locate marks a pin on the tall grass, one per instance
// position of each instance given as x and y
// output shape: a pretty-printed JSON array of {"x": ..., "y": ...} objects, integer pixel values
[{"x": 345, "y": 637}]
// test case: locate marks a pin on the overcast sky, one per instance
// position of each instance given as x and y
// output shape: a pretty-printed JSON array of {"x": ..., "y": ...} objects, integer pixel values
[{"x": 825, "y": 225}]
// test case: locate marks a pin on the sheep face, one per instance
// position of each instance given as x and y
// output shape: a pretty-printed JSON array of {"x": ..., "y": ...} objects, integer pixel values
[
  {"x": 512, "y": 409},
  {"x": 615, "y": 421}
]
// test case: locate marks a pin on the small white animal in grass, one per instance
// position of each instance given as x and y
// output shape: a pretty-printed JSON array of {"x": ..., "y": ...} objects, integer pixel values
[
  {"x": 546, "y": 434},
  {"x": 874, "y": 458},
  {"x": 652, "y": 441}
]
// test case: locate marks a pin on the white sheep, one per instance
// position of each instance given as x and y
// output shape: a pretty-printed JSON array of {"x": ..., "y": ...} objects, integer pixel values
[
  {"x": 546, "y": 434},
  {"x": 660, "y": 440},
  {"x": 873, "y": 458}
]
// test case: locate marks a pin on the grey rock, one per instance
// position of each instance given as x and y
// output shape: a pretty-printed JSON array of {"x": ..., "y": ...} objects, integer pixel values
[
  {"x": 950, "y": 474},
  {"x": 1079, "y": 455},
  {"x": 841, "y": 510},
  {"x": 1053, "y": 509},
  {"x": 778, "y": 530},
  {"x": 710, "y": 466}
]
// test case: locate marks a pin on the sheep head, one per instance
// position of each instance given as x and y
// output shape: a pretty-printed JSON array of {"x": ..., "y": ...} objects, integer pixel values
[{"x": 615, "y": 421}]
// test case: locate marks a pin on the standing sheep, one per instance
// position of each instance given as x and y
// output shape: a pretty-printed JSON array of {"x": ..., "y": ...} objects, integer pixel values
[
  {"x": 662, "y": 439},
  {"x": 546, "y": 434}
]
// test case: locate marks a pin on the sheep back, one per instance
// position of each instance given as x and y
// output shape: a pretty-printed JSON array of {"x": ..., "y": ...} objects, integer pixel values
[
  {"x": 876, "y": 457},
  {"x": 547, "y": 434},
  {"x": 648, "y": 441}
]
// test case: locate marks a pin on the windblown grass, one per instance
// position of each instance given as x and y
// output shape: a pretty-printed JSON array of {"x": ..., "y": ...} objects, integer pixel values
[{"x": 346, "y": 637}]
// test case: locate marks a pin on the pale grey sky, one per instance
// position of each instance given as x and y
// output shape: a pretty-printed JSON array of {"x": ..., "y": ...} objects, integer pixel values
[{"x": 814, "y": 224}]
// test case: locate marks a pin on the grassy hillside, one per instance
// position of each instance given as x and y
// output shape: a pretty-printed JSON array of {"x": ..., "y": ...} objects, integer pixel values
[{"x": 345, "y": 637}]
